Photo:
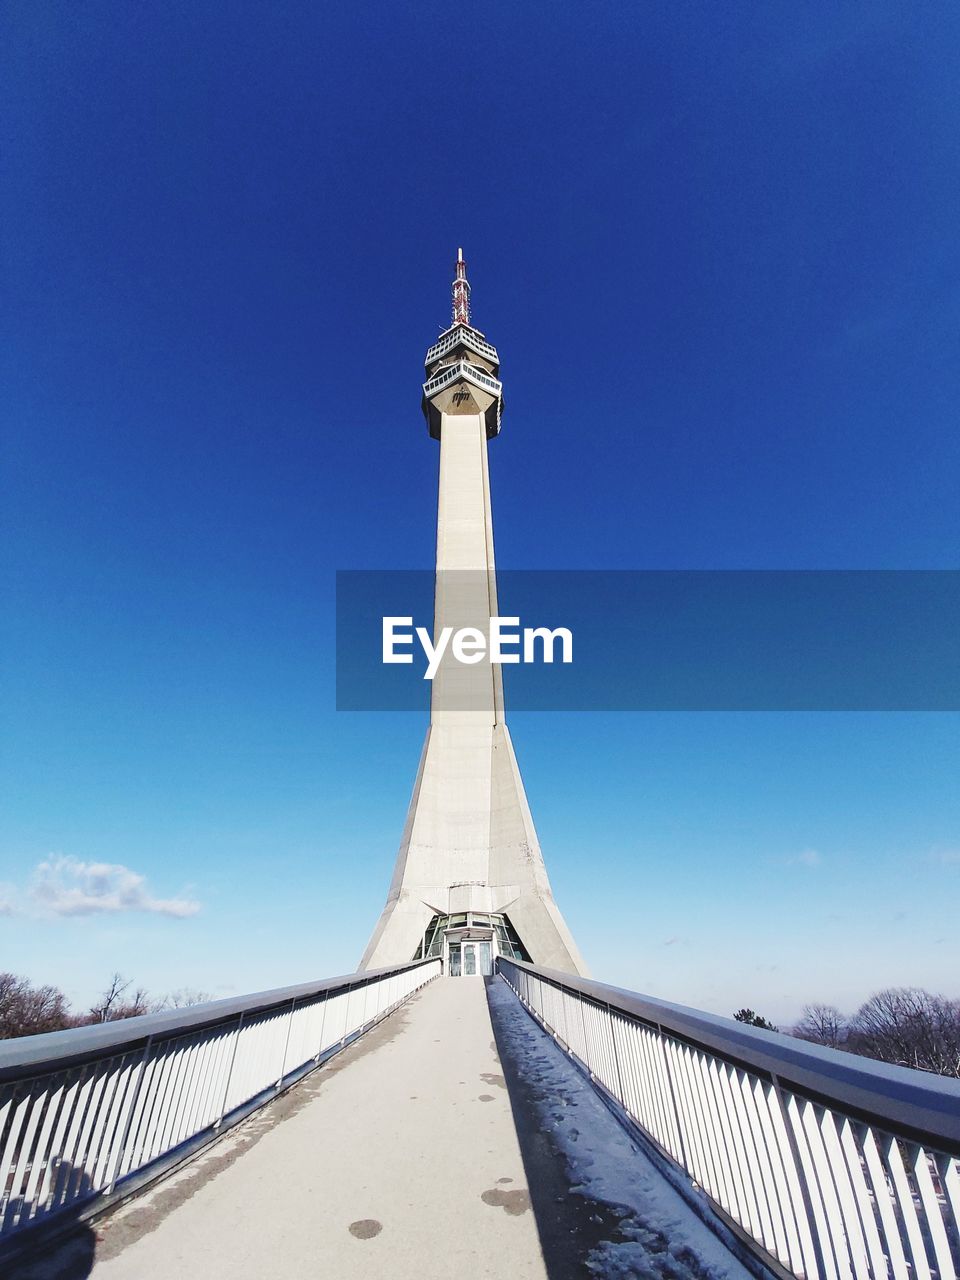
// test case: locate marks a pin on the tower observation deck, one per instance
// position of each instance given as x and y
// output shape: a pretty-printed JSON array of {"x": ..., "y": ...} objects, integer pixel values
[{"x": 470, "y": 881}]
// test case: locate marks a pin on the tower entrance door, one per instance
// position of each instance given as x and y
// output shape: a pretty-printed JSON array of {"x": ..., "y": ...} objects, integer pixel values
[
  {"x": 468, "y": 942},
  {"x": 470, "y": 953}
]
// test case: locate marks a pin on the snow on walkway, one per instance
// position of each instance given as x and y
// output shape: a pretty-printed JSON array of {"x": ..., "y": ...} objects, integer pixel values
[{"x": 613, "y": 1213}]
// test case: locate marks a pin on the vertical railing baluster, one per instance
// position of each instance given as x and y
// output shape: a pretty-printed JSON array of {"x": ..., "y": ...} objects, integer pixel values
[
  {"x": 134, "y": 1098},
  {"x": 800, "y": 1165}
]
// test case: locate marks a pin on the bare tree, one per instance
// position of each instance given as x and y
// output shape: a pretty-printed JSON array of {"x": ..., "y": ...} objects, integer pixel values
[
  {"x": 822, "y": 1024},
  {"x": 909, "y": 1026},
  {"x": 103, "y": 1010},
  {"x": 26, "y": 1010},
  {"x": 184, "y": 997},
  {"x": 115, "y": 1003}
]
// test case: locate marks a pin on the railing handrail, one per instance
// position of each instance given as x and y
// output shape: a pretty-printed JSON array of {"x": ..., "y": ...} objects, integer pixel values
[
  {"x": 903, "y": 1100},
  {"x": 26, "y": 1056}
]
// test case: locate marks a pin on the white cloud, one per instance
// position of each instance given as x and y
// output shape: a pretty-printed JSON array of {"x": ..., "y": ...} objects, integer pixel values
[
  {"x": 805, "y": 858},
  {"x": 65, "y": 886},
  {"x": 946, "y": 857}
]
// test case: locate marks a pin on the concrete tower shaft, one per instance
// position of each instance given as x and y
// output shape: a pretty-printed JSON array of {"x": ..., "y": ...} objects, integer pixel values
[{"x": 469, "y": 846}]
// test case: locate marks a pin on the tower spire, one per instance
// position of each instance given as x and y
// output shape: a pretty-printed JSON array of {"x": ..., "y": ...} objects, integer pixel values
[{"x": 461, "y": 292}]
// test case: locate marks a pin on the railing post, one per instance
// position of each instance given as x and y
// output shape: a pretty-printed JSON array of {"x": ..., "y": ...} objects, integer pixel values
[
  {"x": 586, "y": 1042},
  {"x": 226, "y": 1086},
  {"x": 323, "y": 1022},
  {"x": 348, "y": 992},
  {"x": 616, "y": 1057},
  {"x": 286, "y": 1041},
  {"x": 677, "y": 1118}
]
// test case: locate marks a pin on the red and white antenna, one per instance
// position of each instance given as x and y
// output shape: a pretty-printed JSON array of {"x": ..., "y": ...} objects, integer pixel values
[{"x": 461, "y": 292}]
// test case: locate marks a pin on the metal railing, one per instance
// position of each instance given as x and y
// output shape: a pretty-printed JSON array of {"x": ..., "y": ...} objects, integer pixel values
[
  {"x": 462, "y": 369},
  {"x": 88, "y": 1115},
  {"x": 465, "y": 336},
  {"x": 829, "y": 1166}
]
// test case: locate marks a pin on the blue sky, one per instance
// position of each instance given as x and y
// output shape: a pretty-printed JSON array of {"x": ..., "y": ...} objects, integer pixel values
[{"x": 716, "y": 247}]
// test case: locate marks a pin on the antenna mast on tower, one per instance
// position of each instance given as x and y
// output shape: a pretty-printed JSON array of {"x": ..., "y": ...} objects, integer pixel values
[{"x": 461, "y": 292}]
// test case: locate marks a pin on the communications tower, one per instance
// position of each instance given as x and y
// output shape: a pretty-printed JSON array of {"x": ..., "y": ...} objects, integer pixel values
[{"x": 470, "y": 880}]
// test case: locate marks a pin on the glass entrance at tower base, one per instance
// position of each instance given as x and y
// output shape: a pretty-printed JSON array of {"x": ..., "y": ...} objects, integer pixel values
[{"x": 467, "y": 943}]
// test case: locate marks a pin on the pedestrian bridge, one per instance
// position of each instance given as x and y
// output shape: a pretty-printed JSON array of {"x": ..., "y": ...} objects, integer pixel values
[{"x": 399, "y": 1123}]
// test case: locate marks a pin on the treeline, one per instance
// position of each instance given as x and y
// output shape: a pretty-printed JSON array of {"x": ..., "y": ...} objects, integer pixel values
[
  {"x": 28, "y": 1010},
  {"x": 903, "y": 1025}
]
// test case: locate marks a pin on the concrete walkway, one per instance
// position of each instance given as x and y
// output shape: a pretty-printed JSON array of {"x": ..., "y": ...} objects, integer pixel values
[
  {"x": 407, "y": 1156},
  {"x": 398, "y": 1159}
]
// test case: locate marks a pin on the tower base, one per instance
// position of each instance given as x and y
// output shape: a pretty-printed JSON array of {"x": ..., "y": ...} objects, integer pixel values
[{"x": 470, "y": 849}]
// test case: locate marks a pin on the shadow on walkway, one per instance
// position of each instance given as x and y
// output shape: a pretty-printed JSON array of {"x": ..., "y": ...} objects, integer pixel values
[
  {"x": 602, "y": 1209},
  {"x": 570, "y": 1226},
  {"x": 70, "y": 1256}
]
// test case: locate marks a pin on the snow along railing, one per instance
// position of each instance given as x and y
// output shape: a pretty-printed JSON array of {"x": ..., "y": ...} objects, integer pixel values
[
  {"x": 828, "y": 1165},
  {"x": 87, "y": 1116}
]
